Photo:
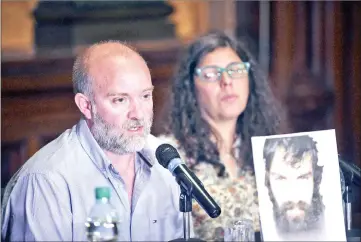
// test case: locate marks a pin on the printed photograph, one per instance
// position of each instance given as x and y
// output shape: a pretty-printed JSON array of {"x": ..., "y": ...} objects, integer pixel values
[{"x": 299, "y": 188}]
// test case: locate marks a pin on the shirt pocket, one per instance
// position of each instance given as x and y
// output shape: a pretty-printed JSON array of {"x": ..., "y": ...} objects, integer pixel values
[{"x": 165, "y": 227}]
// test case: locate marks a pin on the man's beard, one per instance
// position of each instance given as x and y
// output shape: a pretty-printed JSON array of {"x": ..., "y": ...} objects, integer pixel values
[
  {"x": 287, "y": 224},
  {"x": 114, "y": 138},
  {"x": 307, "y": 222}
]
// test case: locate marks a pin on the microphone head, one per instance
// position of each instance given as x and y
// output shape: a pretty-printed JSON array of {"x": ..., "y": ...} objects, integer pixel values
[{"x": 165, "y": 153}]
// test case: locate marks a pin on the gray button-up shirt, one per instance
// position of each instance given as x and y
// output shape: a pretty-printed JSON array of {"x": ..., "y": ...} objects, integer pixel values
[{"x": 50, "y": 197}]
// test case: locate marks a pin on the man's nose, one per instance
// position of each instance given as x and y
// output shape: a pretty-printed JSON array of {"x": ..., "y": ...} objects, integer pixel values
[
  {"x": 294, "y": 198},
  {"x": 295, "y": 192},
  {"x": 135, "y": 110}
]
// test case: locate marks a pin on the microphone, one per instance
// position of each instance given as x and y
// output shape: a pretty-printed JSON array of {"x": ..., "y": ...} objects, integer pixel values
[
  {"x": 351, "y": 169},
  {"x": 169, "y": 158}
]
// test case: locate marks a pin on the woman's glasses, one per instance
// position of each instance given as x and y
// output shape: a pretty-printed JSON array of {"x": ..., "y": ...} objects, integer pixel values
[{"x": 214, "y": 73}]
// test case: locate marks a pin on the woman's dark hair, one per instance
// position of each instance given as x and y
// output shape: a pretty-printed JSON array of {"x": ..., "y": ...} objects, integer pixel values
[{"x": 260, "y": 116}]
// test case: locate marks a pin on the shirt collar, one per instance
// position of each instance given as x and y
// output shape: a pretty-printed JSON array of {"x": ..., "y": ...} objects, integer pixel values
[{"x": 91, "y": 147}]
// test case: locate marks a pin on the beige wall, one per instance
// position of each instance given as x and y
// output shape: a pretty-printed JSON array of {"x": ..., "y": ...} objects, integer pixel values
[
  {"x": 194, "y": 17},
  {"x": 17, "y": 25},
  {"x": 190, "y": 17}
]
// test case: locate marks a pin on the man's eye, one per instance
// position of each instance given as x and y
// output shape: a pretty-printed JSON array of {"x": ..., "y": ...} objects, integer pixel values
[
  {"x": 304, "y": 177},
  {"x": 280, "y": 178},
  {"x": 119, "y": 100},
  {"x": 147, "y": 96}
]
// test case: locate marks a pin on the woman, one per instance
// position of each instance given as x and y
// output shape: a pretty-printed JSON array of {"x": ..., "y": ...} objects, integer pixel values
[{"x": 219, "y": 101}]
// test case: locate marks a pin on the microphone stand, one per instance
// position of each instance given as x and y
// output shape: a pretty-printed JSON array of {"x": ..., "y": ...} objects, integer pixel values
[
  {"x": 185, "y": 206},
  {"x": 349, "y": 198}
]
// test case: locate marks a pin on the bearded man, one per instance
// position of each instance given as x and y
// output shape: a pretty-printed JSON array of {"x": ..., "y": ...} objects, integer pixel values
[
  {"x": 49, "y": 198},
  {"x": 293, "y": 179}
]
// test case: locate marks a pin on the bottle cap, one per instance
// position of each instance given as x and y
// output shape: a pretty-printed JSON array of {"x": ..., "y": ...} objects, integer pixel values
[{"x": 102, "y": 192}]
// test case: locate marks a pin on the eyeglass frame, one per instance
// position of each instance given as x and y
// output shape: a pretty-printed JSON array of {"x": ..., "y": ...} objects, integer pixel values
[{"x": 220, "y": 70}]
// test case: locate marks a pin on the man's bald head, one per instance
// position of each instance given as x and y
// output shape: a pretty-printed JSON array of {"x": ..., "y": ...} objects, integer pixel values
[
  {"x": 113, "y": 90},
  {"x": 97, "y": 56}
]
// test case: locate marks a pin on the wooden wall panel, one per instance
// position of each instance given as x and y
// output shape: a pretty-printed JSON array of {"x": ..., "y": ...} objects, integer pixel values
[
  {"x": 283, "y": 41},
  {"x": 317, "y": 36},
  {"x": 355, "y": 86},
  {"x": 322, "y": 39},
  {"x": 334, "y": 68}
]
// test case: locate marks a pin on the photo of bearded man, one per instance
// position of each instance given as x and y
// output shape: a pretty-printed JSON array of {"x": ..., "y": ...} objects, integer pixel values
[{"x": 293, "y": 179}]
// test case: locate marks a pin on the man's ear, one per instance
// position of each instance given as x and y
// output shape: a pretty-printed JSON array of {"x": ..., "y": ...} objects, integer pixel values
[{"x": 83, "y": 104}]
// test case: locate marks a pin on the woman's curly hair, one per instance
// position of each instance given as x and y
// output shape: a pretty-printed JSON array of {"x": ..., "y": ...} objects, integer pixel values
[{"x": 260, "y": 116}]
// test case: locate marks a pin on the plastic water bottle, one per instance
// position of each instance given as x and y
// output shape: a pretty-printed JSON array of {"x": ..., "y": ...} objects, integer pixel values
[{"x": 103, "y": 220}]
